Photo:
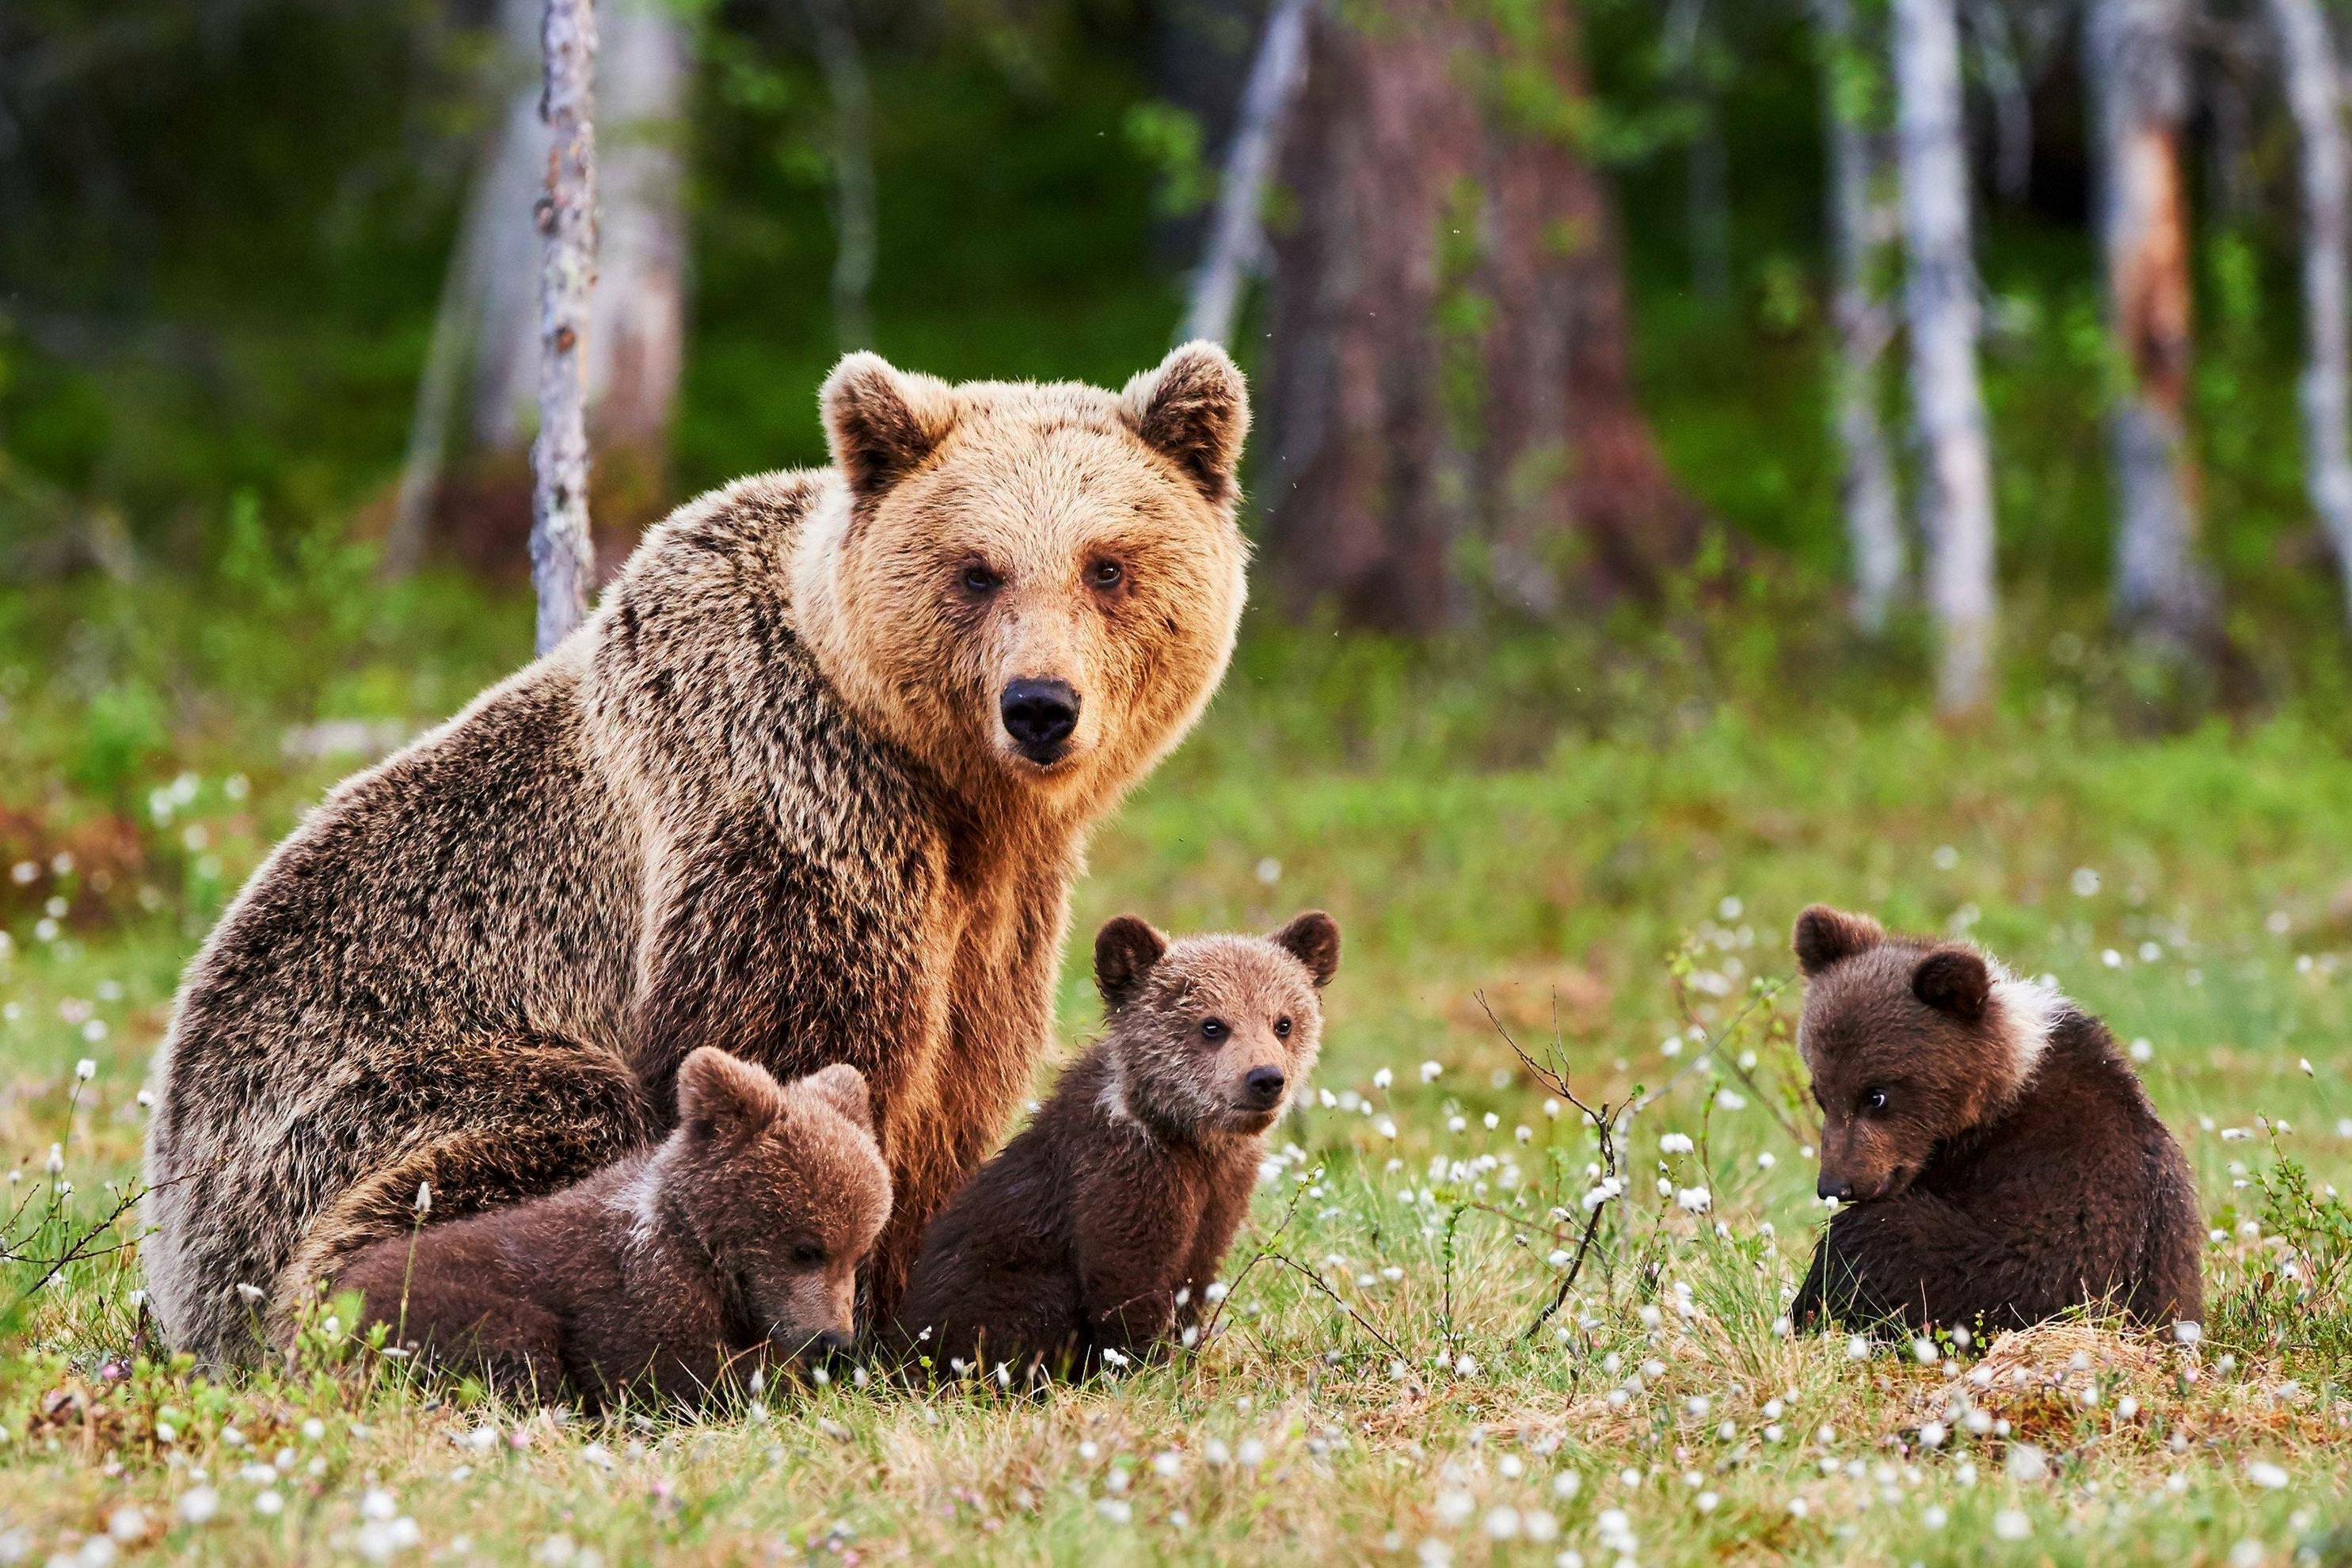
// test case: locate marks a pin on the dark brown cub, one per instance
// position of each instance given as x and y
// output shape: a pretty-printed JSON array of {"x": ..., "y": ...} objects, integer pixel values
[
  {"x": 1098, "y": 1230},
  {"x": 1995, "y": 1157},
  {"x": 735, "y": 1242}
]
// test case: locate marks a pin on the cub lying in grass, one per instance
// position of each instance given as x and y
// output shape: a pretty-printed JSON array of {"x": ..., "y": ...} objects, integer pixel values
[
  {"x": 1997, "y": 1159},
  {"x": 736, "y": 1241},
  {"x": 1098, "y": 1230}
]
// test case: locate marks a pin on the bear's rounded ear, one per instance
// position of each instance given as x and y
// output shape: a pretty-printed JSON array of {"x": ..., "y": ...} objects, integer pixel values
[
  {"x": 843, "y": 1088},
  {"x": 720, "y": 1095},
  {"x": 1193, "y": 409},
  {"x": 1124, "y": 950},
  {"x": 1313, "y": 939},
  {"x": 1953, "y": 979},
  {"x": 1824, "y": 935},
  {"x": 880, "y": 421}
]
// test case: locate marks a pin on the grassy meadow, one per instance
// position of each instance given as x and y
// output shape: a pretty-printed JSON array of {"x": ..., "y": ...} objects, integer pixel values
[{"x": 1590, "y": 844}]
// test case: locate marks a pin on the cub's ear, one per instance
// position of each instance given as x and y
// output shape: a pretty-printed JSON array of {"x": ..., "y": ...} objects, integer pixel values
[
  {"x": 1124, "y": 950},
  {"x": 1824, "y": 935},
  {"x": 843, "y": 1087},
  {"x": 881, "y": 422},
  {"x": 1194, "y": 410},
  {"x": 1953, "y": 979},
  {"x": 1313, "y": 939},
  {"x": 721, "y": 1096}
]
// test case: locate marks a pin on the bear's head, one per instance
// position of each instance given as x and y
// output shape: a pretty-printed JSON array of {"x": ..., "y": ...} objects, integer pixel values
[
  {"x": 1213, "y": 1033},
  {"x": 1910, "y": 1043},
  {"x": 1032, "y": 588},
  {"x": 782, "y": 1187}
]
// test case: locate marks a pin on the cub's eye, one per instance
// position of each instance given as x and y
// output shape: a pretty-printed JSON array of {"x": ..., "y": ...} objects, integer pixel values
[
  {"x": 1874, "y": 1099},
  {"x": 980, "y": 580},
  {"x": 1106, "y": 574},
  {"x": 1282, "y": 1028},
  {"x": 1213, "y": 1028},
  {"x": 808, "y": 1255}
]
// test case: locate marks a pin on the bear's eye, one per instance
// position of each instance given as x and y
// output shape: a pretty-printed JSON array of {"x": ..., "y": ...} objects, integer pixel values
[
  {"x": 979, "y": 580},
  {"x": 1213, "y": 1028},
  {"x": 1874, "y": 1099},
  {"x": 1106, "y": 574},
  {"x": 1282, "y": 1028},
  {"x": 807, "y": 1254}
]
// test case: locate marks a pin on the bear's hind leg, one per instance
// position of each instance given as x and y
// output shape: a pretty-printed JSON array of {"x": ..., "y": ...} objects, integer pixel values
[{"x": 510, "y": 1117}]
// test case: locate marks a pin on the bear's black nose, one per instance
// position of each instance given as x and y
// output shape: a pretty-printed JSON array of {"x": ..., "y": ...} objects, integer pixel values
[
  {"x": 1039, "y": 715},
  {"x": 1263, "y": 1085},
  {"x": 1831, "y": 1188}
]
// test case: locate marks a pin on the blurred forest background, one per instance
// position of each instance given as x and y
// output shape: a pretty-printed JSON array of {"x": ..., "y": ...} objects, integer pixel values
[{"x": 1564, "y": 309}]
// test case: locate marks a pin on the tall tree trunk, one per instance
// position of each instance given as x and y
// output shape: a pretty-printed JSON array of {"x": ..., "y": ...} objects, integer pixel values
[
  {"x": 852, "y": 155},
  {"x": 2134, "y": 58},
  {"x": 1859, "y": 227},
  {"x": 2315, "y": 99},
  {"x": 562, "y": 560},
  {"x": 1450, "y": 409},
  {"x": 1940, "y": 302},
  {"x": 637, "y": 321},
  {"x": 1236, "y": 240}
]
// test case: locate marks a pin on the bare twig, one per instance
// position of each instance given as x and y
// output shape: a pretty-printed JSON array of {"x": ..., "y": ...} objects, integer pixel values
[{"x": 1323, "y": 1285}]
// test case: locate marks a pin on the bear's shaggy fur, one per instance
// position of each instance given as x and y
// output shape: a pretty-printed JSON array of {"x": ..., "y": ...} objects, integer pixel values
[
  {"x": 777, "y": 795},
  {"x": 1102, "y": 1227},
  {"x": 672, "y": 1273},
  {"x": 1997, "y": 1157}
]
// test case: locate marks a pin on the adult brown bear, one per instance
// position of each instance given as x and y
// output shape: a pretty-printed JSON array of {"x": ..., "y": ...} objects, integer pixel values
[{"x": 811, "y": 785}]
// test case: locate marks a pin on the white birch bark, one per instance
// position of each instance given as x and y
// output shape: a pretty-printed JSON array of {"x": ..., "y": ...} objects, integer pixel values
[
  {"x": 563, "y": 559},
  {"x": 1858, "y": 228},
  {"x": 1940, "y": 303},
  {"x": 2134, "y": 56},
  {"x": 856, "y": 240},
  {"x": 1236, "y": 240},
  {"x": 2315, "y": 98}
]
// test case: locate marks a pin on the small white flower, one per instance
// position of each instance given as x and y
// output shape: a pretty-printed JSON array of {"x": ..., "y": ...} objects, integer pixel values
[
  {"x": 1429, "y": 1072},
  {"x": 1932, "y": 1434},
  {"x": 2085, "y": 882},
  {"x": 2026, "y": 1464},
  {"x": 1676, "y": 1143},
  {"x": 249, "y": 1294},
  {"x": 1502, "y": 1522},
  {"x": 2011, "y": 1524},
  {"x": 1857, "y": 1349},
  {"x": 424, "y": 1204},
  {"x": 268, "y": 1504},
  {"x": 378, "y": 1504},
  {"x": 1382, "y": 1079},
  {"x": 1465, "y": 1366},
  {"x": 1696, "y": 1200},
  {"x": 2266, "y": 1475},
  {"x": 1455, "y": 1509},
  {"x": 198, "y": 1504},
  {"x": 2188, "y": 1333},
  {"x": 85, "y": 1070}
]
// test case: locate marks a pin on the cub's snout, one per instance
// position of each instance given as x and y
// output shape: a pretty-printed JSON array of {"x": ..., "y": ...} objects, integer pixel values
[{"x": 1040, "y": 716}]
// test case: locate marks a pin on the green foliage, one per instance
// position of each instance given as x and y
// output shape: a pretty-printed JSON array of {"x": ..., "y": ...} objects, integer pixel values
[{"x": 1169, "y": 139}]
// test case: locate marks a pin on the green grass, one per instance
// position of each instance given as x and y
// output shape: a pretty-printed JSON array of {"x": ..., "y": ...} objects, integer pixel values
[{"x": 1602, "y": 836}]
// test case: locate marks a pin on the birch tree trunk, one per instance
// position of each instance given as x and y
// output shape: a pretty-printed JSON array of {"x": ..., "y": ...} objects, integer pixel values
[
  {"x": 1236, "y": 243},
  {"x": 1859, "y": 227},
  {"x": 562, "y": 560},
  {"x": 2315, "y": 98},
  {"x": 2134, "y": 58},
  {"x": 1940, "y": 303},
  {"x": 856, "y": 240}
]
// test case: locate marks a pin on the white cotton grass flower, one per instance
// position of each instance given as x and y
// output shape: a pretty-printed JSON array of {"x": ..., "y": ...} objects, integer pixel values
[
  {"x": 2011, "y": 1524},
  {"x": 1454, "y": 1508},
  {"x": 2188, "y": 1332},
  {"x": 2267, "y": 1476},
  {"x": 2026, "y": 1464},
  {"x": 1695, "y": 1200},
  {"x": 85, "y": 1070},
  {"x": 126, "y": 1524},
  {"x": 1429, "y": 1072},
  {"x": 249, "y": 1294},
  {"x": 1382, "y": 1079},
  {"x": 424, "y": 1204},
  {"x": 1676, "y": 1143},
  {"x": 268, "y": 1504}
]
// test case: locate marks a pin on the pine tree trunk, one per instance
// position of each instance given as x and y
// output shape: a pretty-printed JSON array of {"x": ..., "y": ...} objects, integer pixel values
[
  {"x": 1940, "y": 302},
  {"x": 2315, "y": 99},
  {"x": 2134, "y": 58},
  {"x": 1858, "y": 228},
  {"x": 1450, "y": 414},
  {"x": 562, "y": 560}
]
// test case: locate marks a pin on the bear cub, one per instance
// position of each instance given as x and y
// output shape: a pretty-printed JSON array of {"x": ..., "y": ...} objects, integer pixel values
[
  {"x": 733, "y": 1243},
  {"x": 1097, "y": 1232},
  {"x": 1995, "y": 1157}
]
